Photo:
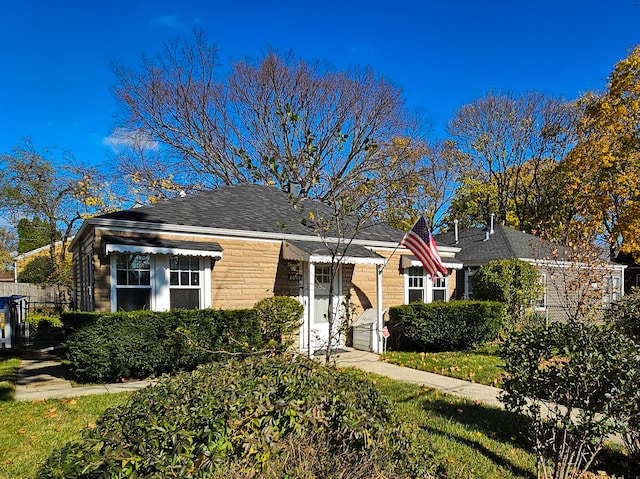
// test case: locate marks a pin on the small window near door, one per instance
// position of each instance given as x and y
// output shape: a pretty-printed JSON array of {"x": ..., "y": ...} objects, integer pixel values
[
  {"x": 323, "y": 274},
  {"x": 184, "y": 281}
]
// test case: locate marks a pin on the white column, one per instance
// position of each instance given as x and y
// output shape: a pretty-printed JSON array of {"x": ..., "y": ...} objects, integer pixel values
[
  {"x": 377, "y": 332},
  {"x": 311, "y": 309}
]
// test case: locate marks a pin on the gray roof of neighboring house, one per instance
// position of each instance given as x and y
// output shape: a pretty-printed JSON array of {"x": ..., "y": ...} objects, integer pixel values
[
  {"x": 244, "y": 207},
  {"x": 504, "y": 243}
]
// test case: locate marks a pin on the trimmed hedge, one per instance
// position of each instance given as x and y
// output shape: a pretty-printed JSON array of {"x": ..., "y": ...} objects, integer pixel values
[
  {"x": 103, "y": 347},
  {"x": 280, "y": 417},
  {"x": 445, "y": 326}
]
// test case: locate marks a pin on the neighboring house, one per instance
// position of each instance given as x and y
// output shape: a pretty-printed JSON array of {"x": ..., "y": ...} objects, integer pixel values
[
  {"x": 479, "y": 246},
  {"x": 234, "y": 245},
  {"x": 22, "y": 260}
]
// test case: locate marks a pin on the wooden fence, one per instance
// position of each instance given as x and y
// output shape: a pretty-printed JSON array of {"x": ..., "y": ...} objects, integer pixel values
[{"x": 38, "y": 295}]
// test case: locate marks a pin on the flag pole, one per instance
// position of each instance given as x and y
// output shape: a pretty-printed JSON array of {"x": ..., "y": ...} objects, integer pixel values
[{"x": 389, "y": 258}]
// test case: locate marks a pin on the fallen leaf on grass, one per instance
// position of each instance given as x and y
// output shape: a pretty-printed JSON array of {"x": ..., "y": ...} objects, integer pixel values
[{"x": 52, "y": 413}]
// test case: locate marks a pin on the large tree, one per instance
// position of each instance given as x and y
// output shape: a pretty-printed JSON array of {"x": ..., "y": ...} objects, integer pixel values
[
  {"x": 603, "y": 170},
  {"x": 423, "y": 183},
  {"x": 271, "y": 120},
  {"x": 512, "y": 143},
  {"x": 47, "y": 192}
]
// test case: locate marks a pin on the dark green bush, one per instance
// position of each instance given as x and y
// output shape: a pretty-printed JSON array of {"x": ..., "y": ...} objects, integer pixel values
[
  {"x": 104, "y": 347},
  {"x": 576, "y": 384},
  {"x": 278, "y": 417},
  {"x": 37, "y": 271},
  {"x": 511, "y": 281},
  {"x": 624, "y": 315},
  {"x": 280, "y": 317},
  {"x": 445, "y": 326}
]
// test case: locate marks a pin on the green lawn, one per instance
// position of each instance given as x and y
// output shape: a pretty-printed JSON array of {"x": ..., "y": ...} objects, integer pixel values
[
  {"x": 482, "y": 365},
  {"x": 9, "y": 363},
  {"x": 471, "y": 441}
]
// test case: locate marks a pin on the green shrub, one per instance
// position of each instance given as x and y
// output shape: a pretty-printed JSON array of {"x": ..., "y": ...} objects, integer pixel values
[
  {"x": 278, "y": 417},
  {"x": 511, "y": 281},
  {"x": 43, "y": 323},
  {"x": 576, "y": 384},
  {"x": 37, "y": 271},
  {"x": 280, "y": 317},
  {"x": 102, "y": 347},
  {"x": 445, "y": 326},
  {"x": 624, "y": 315}
]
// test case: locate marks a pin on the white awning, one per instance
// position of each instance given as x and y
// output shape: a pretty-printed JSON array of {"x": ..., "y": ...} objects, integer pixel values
[
  {"x": 318, "y": 252},
  {"x": 146, "y": 245},
  {"x": 407, "y": 261}
]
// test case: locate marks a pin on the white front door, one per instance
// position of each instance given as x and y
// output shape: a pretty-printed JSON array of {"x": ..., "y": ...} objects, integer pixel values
[{"x": 320, "y": 327}]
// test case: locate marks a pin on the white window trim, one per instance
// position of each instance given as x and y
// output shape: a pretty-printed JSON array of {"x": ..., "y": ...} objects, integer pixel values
[
  {"x": 427, "y": 294},
  {"x": 160, "y": 282},
  {"x": 543, "y": 281}
]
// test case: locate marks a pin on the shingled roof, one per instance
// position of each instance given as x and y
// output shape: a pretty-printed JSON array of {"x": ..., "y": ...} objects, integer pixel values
[
  {"x": 242, "y": 207},
  {"x": 504, "y": 243}
]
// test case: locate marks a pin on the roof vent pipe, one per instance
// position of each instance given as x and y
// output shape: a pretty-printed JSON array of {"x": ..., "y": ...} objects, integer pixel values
[
  {"x": 455, "y": 230},
  {"x": 491, "y": 227},
  {"x": 294, "y": 188}
]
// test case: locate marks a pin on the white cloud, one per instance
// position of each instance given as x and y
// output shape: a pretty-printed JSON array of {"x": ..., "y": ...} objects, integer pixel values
[{"x": 121, "y": 138}]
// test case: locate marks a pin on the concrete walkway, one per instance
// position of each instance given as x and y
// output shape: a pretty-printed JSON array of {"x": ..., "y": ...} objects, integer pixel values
[
  {"x": 41, "y": 376},
  {"x": 370, "y": 362}
]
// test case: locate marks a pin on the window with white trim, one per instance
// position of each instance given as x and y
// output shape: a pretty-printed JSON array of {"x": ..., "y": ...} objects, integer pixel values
[
  {"x": 611, "y": 291},
  {"x": 160, "y": 282},
  {"x": 439, "y": 289},
  {"x": 541, "y": 301},
  {"x": 416, "y": 284},
  {"x": 184, "y": 281},
  {"x": 420, "y": 287},
  {"x": 133, "y": 281}
]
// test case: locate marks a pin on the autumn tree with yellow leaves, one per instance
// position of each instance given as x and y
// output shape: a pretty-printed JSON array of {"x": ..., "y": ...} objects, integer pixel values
[
  {"x": 602, "y": 172},
  {"x": 36, "y": 184}
]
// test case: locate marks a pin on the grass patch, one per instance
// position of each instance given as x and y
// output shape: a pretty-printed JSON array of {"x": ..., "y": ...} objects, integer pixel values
[
  {"x": 9, "y": 363},
  {"x": 483, "y": 366},
  {"x": 30, "y": 431},
  {"x": 472, "y": 440}
]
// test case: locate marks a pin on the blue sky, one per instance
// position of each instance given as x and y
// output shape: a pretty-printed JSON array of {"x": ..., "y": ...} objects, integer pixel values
[{"x": 55, "y": 55}]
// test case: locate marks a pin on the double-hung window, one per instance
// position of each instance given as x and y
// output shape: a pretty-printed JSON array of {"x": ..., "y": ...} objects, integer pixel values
[
  {"x": 439, "y": 290},
  {"x": 133, "y": 281},
  {"x": 184, "y": 282},
  {"x": 160, "y": 282},
  {"x": 417, "y": 285},
  {"x": 421, "y": 287}
]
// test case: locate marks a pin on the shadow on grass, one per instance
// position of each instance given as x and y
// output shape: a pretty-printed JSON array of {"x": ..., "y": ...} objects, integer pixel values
[
  {"x": 9, "y": 362},
  {"x": 508, "y": 427},
  {"x": 495, "y": 458}
]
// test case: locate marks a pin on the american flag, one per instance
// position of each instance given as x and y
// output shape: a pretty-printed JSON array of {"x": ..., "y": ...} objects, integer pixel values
[{"x": 421, "y": 243}]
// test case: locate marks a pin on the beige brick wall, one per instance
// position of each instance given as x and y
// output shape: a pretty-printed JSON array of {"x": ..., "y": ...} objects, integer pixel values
[
  {"x": 363, "y": 289},
  {"x": 248, "y": 272}
]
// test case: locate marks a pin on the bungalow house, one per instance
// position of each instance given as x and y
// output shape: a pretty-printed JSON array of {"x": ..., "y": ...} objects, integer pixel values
[
  {"x": 234, "y": 245},
  {"x": 479, "y": 246}
]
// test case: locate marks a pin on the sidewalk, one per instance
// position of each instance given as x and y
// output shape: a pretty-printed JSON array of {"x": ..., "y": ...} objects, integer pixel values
[
  {"x": 370, "y": 362},
  {"x": 41, "y": 376}
]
